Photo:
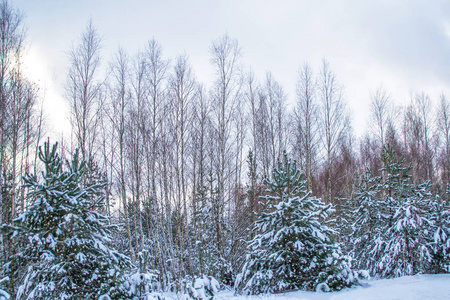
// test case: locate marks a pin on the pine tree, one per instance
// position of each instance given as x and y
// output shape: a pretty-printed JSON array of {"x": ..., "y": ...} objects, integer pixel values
[
  {"x": 293, "y": 247},
  {"x": 407, "y": 249},
  {"x": 440, "y": 216},
  {"x": 206, "y": 258},
  {"x": 392, "y": 222},
  {"x": 368, "y": 222},
  {"x": 67, "y": 237}
]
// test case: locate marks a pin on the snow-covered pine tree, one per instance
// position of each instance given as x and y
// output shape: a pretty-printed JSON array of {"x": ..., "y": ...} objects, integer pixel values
[
  {"x": 368, "y": 222},
  {"x": 293, "y": 247},
  {"x": 404, "y": 248},
  {"x": 202, "y": 231},
  {"x": 68, "y": 248},
  {"x": 407, "y": 249},
  {"x": 206, "y": 260},
  {"x": 441, "y": 234},
  {"x": 392, "y": 226}
]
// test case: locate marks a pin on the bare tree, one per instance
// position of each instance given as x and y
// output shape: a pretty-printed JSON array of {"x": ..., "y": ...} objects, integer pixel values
[
  {"x": 251, "y": 94},
  {"x": 276, "y": 113},
  {"x": 20, "y": 127},
  {"x": 155, "y": 76},
  {"x": 83, "y": 90},
  {"x": 270, "y": 128},
  {"x": 118, "y": 108},
  {"x": 381, "y": 112},
  {"x": 226, "y": 93},
  {"x": 154, "y": 70},
  {"x": 20, "y": 133},
  {"x": 11, "y": 41},
  {"x": 201, "y": 111},
  {"x": 306, "y": 122},
  {"x": 264, "y": 140},
  {"x": 182, "y": 93},
  {"x": 334, "y": 119},
  {"x": 443, "y": 128},
  {"x": 423, "y": 106},
  {"x": 417, "y": 137}
]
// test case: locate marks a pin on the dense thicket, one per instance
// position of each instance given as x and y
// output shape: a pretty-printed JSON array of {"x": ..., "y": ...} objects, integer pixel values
[{"x": 184, "y": 163}]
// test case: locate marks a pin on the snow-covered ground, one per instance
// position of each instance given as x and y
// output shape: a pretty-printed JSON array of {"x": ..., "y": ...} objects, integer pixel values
[{"x": 404, "y": 288}]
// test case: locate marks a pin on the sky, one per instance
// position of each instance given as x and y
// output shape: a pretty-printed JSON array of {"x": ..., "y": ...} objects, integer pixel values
[{"x": 403, "y": 46}]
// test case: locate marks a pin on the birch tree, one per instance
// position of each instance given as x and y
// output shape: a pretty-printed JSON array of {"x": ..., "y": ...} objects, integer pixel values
[
  {"x": 225, "y": 58},
  {"x": 120, "y": 101},
  {"x": 182, "y": 93},
  {"x": 381, "y": 111},
  {"x": 11, "y": 43},
  {"x": 306, "y": 124},
  {"x": 156, "y": 148},
  {"x": 334, "y": 120},
  {"x": 83, "y": 90},
  {"x": 443, "y": 128}
]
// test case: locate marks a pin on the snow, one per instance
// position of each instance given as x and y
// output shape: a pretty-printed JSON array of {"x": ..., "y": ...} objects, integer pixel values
[
  {"x": 430, "y": 287},
  {"x": 418, "y": 287}
]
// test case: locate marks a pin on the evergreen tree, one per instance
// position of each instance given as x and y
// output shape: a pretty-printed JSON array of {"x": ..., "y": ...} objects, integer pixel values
[
  {"x": 206, "y": 260},
  {"x": 391, "y": 229},
  {"x": 293, "y": 247},
  {"x": 67, "y": 237},
  {"x": 407, "y": 249},
  {"x": 440, "y": 216},
  {"x": 368, "y": 222}
]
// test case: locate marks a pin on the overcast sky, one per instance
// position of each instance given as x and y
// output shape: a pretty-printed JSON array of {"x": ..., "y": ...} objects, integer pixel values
[{"x": 402, "y": 45}]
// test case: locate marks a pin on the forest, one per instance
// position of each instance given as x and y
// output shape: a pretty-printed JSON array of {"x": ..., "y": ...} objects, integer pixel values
[{"x": 168, "y": 184}]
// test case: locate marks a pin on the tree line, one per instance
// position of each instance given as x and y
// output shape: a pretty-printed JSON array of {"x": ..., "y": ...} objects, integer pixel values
[{"x": 183, "y": 163}]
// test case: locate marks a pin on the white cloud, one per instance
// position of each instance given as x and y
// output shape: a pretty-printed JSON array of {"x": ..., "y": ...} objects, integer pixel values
[{"x": 36, "y": 68}]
